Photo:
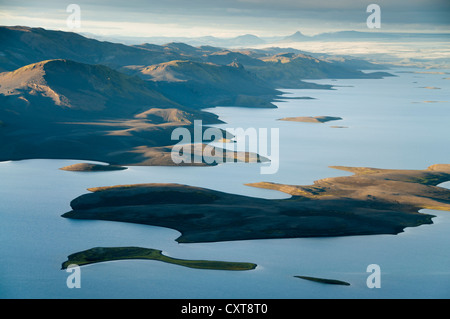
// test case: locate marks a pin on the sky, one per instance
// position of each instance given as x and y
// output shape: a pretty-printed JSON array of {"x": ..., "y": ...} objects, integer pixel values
[{"x": 226, "y": 18}]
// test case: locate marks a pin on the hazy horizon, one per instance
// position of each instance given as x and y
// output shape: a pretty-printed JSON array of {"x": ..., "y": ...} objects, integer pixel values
[{"x": 226, "y": 19}]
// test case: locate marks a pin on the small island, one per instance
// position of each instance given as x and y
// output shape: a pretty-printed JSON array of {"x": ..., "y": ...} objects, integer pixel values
[
  {"x": 430, "y": 87},
  {"x": 103, "y": 254},
  {"x": 324, "y": 280},
  {"x": 89, "y": 167},
  {"x": 310, "y": 119}
]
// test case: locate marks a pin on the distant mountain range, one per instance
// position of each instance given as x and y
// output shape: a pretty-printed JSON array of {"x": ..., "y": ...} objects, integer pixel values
[
  {"x": 250, "y": 40},
  {"x": 63, "y": 95}
]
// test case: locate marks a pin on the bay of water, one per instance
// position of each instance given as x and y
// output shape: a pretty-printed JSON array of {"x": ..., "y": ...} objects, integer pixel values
[{"x": 387, "y": 124}]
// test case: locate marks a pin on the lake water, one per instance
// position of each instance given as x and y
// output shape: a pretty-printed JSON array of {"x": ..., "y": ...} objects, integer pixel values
[{"x": 387, "y": 124}]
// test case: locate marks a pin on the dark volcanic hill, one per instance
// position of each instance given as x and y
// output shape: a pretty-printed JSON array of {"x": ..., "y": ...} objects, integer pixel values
[
  {"x": 198, "y": 84},
  {"x": 372, "y": 201}
]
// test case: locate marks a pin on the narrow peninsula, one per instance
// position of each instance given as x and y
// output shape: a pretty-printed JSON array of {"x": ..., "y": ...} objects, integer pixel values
[{"x": 103, "y": 254}]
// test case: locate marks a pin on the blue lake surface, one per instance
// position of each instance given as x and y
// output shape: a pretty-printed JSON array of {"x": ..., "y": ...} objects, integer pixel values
[{"x": 398, "y": 122}]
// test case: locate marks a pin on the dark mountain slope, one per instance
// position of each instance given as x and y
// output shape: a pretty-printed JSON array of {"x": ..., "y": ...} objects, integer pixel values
[
  {"x": 21, "y": 46},
  {"x": 197, "y": 84}
]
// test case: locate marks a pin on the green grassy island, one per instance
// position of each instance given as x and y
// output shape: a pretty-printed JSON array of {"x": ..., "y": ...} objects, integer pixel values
[{"x": 102, "y": 254}]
